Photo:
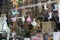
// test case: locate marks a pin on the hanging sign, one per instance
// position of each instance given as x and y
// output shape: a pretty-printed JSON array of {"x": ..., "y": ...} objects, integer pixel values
[{"x": 56, "y": 35}]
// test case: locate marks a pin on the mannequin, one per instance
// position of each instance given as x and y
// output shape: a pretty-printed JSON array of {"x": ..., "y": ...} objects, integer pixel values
[
  {"x": 3, "y": 21},
  {"x": 4, "y": 25}
]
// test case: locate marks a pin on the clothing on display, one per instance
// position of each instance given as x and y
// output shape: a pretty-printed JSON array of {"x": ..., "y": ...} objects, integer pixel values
[
  {"x": 50, "y": 15},
  {"x": 28, "y": 19},
  {"x": 34, "y": 23},
  {"x": 45, "y": 7},
  {"x": 23, "y": 19},
  {"x": 55, "y": 7},
  {"x": 15, "y": 12},
  {"x": 14, "y": 19}
]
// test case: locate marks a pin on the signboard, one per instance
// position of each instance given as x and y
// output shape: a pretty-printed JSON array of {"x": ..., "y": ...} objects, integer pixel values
[{"x": 56, "y": 35}]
